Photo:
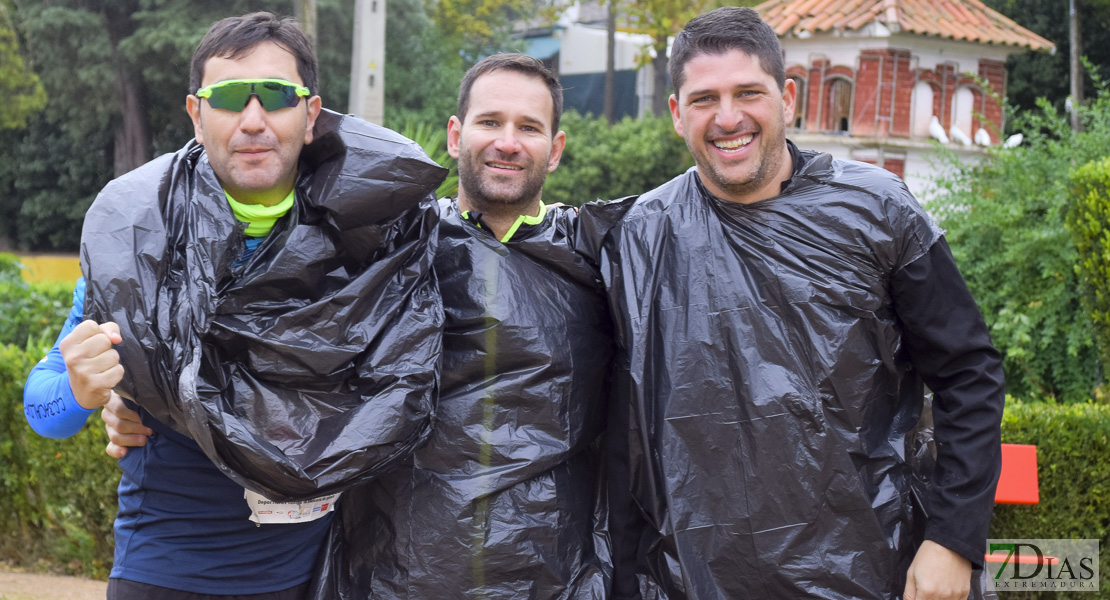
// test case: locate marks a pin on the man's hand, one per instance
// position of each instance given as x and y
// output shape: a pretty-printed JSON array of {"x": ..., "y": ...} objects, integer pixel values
[
  {"x": 124, "y": 427},
  {"x": 937, "y": 573},
  {"x": 92, "y": 363}
]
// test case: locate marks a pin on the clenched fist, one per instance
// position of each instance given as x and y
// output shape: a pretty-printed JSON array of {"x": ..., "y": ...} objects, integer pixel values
[{"x": 92, "y": 362}]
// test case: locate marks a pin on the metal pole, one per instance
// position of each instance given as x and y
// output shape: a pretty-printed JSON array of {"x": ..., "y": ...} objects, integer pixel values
[
  {"x": 610, "y": 63},
  {"x": 1076, "y": 68}
]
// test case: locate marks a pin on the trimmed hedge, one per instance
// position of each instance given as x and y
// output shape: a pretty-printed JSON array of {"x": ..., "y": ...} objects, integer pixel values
[
  {"x": 1089, "y": 221},
  {"x": 57, "y": 497},
  {"x": 1073, "y": 464}
]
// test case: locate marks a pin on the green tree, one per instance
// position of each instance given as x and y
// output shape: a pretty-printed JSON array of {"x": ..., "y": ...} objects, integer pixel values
[
  {"x": 1089, "y": 221},
  {"x": 661, "y": 19},
  {"x": 123, "y": 105},
  {"x": 1006, "y": 222},
  {"x": 603, "y": 161},
  {"x": 1032, "y": 75},
  {"x": 21, "y": 89},
  {"x": 423, "y": 69},
  {"x": 480, "y": 27}
]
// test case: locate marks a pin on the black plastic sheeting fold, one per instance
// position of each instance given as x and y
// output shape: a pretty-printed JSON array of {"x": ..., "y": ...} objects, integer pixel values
[
  {"x": 503, "y": 501},
  {"x": 773, "y": 421},
  {"x": 313, "y": 366}
]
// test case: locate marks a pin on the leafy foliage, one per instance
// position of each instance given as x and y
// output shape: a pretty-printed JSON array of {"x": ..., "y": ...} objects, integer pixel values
[
  {"x": 21, "y": 89},
  {"x": 48, "y": 181},
  {"x": 1034, "y": 75},
  {"x": 607, "y": 161},
  {"x": 433, "y": 139},
  {"x": 1006, "y": 225},
  {"x": 1089, "y": 221},
  {"x": 57, "y": 497},
  {"x": 1073, "y": 441},
  {"x": 424, "y": 68},
  {"x": 480, "y": 27},
  {"x": 51, "y": 171},
  {"x": 30, "y": 314}
]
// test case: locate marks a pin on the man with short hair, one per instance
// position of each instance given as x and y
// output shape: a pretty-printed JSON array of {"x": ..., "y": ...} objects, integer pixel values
[
  {"x": 504, "y": 499},
  {"x": 779, "y": 312},
  {"x": 502, "y": 502},
  {"x": 262, "y": 286}
]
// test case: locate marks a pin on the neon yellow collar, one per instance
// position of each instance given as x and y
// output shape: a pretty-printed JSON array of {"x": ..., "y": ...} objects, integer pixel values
[
  {"x": 260, "y": 219},
  {"x": 525, "y": 220}
]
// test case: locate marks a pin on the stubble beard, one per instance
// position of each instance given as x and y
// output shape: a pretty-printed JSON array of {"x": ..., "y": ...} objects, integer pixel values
[
  {"x": 483, "y": 194},
  {"x": 770, "y": 161}
]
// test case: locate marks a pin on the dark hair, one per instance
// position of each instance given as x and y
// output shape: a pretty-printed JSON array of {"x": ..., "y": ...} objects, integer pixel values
[
  {"x": 519, "y": 63},
  {"x": 234, "y": 37},
  {"x": 722, "y": 30}
]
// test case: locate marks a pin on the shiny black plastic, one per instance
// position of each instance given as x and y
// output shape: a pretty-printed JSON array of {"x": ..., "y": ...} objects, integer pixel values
[
  {"x": 503, "y": 501},
  {"x": 769, "y": 409},
  {"x": 308, "y": 369}
]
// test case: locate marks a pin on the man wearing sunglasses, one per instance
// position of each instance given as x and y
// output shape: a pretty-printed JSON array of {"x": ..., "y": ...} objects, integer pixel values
[
  {"x": 267, "y": 227},
  {"x": 502, "y": 501}
]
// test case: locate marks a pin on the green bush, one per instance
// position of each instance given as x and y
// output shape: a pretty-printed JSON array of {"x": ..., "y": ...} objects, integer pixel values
[
  {"x": 1089, "y": 221},
  {"x": 30, "y": 312},
  {"x": 1073, "y": 463},
  {"x": 1006, "y": 223},
  {"x": 57, "y": 497},
  {"x": 607, "y": 161}
]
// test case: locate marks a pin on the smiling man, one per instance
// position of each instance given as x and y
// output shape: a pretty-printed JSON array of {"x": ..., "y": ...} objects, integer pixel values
[
  {"x": 508, "y": 144},
  {"x": 200, "y": 268},
  {"x": 779, "y": 313},
  {"x": 503, "y": 500}
]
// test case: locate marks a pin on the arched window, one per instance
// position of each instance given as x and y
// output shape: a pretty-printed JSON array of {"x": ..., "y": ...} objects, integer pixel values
[
  {"x": 799, "y": 121},
  {"x": 963, "y": 104},
  {"x": 838, "y": 105},
  {"x": 922, "y": 108}
]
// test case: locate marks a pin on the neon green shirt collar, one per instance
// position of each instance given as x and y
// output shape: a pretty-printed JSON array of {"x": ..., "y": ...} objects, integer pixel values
[
  {"x": 260, "y": 219},
  {"x": 525, "y": 220},
  {"x": 521, "y": 220}
]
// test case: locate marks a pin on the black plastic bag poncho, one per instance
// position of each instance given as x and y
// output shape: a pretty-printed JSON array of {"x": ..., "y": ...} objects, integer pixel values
[
  {"x": 502, "y": 502},
  {"x": 769, "y": 408},
  {"x": 312, "y": 366}
]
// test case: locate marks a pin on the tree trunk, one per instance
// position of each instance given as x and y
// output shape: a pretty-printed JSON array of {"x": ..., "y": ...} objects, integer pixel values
[
  {"x": 132, "y": 139},
  {"x": 132, "y": 134},
  {"x": 659, "y": 65}
]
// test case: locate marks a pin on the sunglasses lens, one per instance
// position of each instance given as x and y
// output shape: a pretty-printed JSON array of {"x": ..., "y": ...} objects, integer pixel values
[
  {"x": 273, "y": 95},
  {"x": 232, "y": 96}
]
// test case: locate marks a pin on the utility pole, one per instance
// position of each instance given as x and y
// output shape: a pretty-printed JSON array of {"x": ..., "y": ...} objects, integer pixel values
[
  {"x": 610, "y": 63},
  {"x": 367, "y": 98},
  {"x": 1076, "y": 68}
]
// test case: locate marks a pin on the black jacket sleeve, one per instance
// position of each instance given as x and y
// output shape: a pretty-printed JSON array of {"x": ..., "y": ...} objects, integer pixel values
[{"x": 949, "y": 345}]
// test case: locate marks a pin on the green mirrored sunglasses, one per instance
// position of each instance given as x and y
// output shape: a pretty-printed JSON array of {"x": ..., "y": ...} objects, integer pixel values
[{"x": 234, "y": 94}]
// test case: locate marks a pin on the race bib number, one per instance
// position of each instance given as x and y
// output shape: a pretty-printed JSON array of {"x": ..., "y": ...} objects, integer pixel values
[{"x": 268, "y": 511}]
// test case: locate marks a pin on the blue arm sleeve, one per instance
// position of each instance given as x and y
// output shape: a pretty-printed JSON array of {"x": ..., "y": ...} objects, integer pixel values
[{"x": 48, "y": 401}]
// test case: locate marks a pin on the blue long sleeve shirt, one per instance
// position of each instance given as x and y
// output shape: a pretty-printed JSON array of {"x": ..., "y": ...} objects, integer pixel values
[
  {"x": 182, "y": 524},
  {"x": 48, "y": 401}
]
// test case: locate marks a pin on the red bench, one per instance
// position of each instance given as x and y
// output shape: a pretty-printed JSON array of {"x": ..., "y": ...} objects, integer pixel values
[{"x": 1017, "y": 484}]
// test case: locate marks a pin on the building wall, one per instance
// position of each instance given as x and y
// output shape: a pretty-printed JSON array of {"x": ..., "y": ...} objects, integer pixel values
[
  {"x": 583, "y": 50},
  {"x": 898, "y": 82}
]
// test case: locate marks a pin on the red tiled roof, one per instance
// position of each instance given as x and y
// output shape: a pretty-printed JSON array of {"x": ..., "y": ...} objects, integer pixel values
[{"x": 968, "y": 20}]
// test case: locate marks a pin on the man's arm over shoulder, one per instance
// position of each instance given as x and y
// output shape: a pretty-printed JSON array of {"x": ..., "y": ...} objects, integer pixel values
[
  {"x": 48, "y": 401},
  {"x": 949, "y": 344}
]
